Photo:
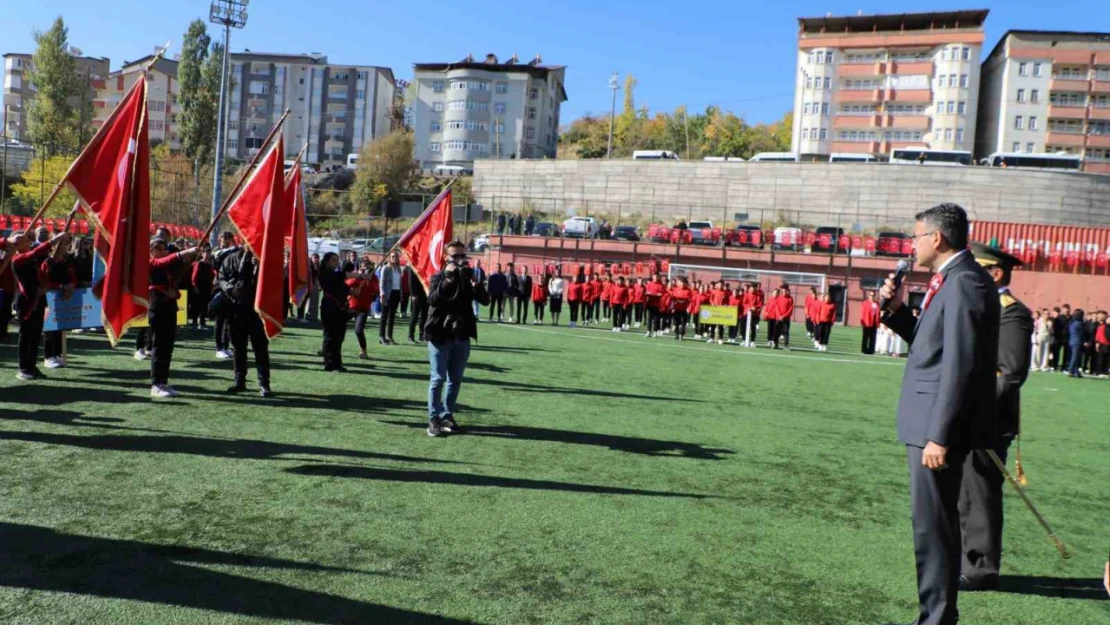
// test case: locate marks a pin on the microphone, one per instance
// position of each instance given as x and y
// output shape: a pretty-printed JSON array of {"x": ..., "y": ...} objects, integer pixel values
[{"x": 899, "y": 275}]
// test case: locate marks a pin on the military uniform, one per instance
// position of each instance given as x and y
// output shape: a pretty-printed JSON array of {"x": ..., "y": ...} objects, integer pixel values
[{"x": 981, "y": 492}]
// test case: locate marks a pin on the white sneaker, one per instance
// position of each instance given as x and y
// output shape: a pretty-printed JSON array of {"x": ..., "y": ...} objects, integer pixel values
[
  {"x": 720, "y": 342},
  {"x": 160, "y": 392},
  {"x": 170, "y": 390},
  {"x": 709, "y": 342},
  {"x": 54, "y": 363},
  {"x": 647, "y": 335},
  {"x": 140, "y": 354},
  {"x": 224, "y": 354}
]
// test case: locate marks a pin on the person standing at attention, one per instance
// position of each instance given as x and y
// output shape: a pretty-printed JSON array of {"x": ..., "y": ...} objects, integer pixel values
[
  {"x": 869, "y": 319},
  {"x": 947, "y": 405},
  {"x": 556, "y": 287},
  {"x": 451, "y": 326},
  {"x": 390, "y": 295}
]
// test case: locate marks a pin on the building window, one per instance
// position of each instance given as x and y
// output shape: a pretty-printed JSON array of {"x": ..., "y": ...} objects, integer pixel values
[
  {"x": 233, "y": 125},
  {"x": 1036, "y": 69},
  {"x": 825, "y": 108},
  {"x": 952, "y": 80},
  {"x": 824, "y": 134},
  {"x": 259, "y": 87},
  {"x": 959, "y": 135},
  {"x": 360, "y": 94},
  {"x": 437, "y": 86},
  {"x": 1030, "y": 147},
  {"x": 805, "y": 109},
  {"x": 533, "y": 93},
  {"x": 1016, "y": 147},
  {"x": 436, "y": 126},
  {"x": 260, "y": 69},
  {"x": 499, "y": 108},
  {"x": 531, "y": 112},
  {"x": 963, "y": 81},
  {"x": 1018, "y": 122},
  {"x": 499, "y": 128},
  {"x": 434, "y": 146},
  {"x": 829, "y": 57},
  {"x": 437, "y": 107},
  {"x": 530, "y": 134},
  {"x": 944, "y": 54},
  {"x": 1020, "y": 95},
  {"x": 1035, "y": 95},
  {"x": 828, "y": 83},
  {"x": 951, "y": 107},
  {"x": 809, "y": 83},
  {"x": 1033, "y": 123},
  {"x": 805, "y": 133},
  {"x": 940, "y": 107},
  {"x": 967, "y": 54},
  {"x": 1023, "y": 69},
  {"x": 502, "y": 87},
  {"x": 962, "y": 108},
  {"x": 942, "y": 79},
  {"x": 253, "y": 143}
]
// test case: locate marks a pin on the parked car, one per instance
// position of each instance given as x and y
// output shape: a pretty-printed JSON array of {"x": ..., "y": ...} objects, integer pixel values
[
  {"x": 788, "y": 239},
  {"x": 889, "y": 243},
  {"x": 331, "y": 245},
  {"x": 626, "y": 233},
  {"x": 382, "y": 245},
  {"x": 703, "y": 233},
  {"x": 581, "y": 227},
  {"x": 745, "y": 235},
  {"x": 832, "y": 236},
  {"x": 479, "y": 243},
  {"x": 545, "y": 229}
]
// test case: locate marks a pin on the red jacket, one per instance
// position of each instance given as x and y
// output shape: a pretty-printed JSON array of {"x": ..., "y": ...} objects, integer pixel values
[
  {"x": 665, "y": 301},
  {"x": 361, "y": 295},
  {"x": 606, "y": 291},
  {"x": 574, "y": 292},
  {"x": 619, "y": 295},
  {"x": 757, "y": 302},
  {"x": 718, "y": 297},
  {"x": 809, "y": 305},
  {"x": 638, "y": 293},
  {"x": 1101, "y": 335},
  {"x": 539, "y": 293},
  {"x": 736, "y": 301},
  {"x": 826, "y": 312},
  {"x": 869, "y": 314},
  {"x": 785, "y": 307},
  {"x": 681, "y": 297},
  {"x": 653, "y": 294}
]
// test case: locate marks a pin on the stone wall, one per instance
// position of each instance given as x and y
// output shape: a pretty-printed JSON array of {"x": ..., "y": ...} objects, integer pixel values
[{"x": 853, "y": 195}]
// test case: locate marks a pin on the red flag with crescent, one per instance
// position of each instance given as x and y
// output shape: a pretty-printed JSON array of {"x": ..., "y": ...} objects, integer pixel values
[{"x": 424, "y": 242}]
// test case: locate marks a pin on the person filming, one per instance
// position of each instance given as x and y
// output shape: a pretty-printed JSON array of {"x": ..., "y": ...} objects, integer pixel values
[{"x": 451, "y": 325}]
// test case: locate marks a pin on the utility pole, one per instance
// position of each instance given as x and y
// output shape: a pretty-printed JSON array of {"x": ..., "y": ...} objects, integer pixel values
[
  {"x": 686, "y": 124},
  {"x": 230, "y": 14},
  {"x": 614, "y": 85}
]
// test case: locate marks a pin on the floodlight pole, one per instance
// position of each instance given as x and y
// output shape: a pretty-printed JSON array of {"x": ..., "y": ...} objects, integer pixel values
[{"x": 230, "y": 14}]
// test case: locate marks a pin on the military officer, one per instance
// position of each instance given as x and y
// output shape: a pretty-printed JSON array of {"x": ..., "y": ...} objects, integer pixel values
[{"x": 981, "y": 491}]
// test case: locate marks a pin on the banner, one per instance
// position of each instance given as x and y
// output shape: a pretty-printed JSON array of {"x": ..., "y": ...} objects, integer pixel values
[
  {"x": 718, "y": 315},
  {"x": 82, "y": 311}
]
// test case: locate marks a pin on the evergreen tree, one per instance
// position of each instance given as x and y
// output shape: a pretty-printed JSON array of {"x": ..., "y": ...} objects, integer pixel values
[{"x": 60, "y": 115}]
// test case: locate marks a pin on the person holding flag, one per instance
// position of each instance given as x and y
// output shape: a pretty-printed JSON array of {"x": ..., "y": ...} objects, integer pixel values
[
  {"x": 162, "y": 314},
  {"x": 30, "y": 300}
]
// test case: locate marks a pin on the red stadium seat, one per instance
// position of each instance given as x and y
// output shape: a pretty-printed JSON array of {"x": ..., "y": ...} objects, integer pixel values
[
  {"x": 665, "y": 266},
  {"x": 844, "y": 242},
  {"x": 687, "y": 237},
  {"x": 869, "y": 245},
  {"x": 626, "y": 269},
  {"x": 84, "y": 227},
  {"x": 907, "y": 247},
  {"x": 757, "y": 238},
  {"x": 857, "y": 243},
  {"x": 742, "y": 237},
  {"x": 787, "y": 239},
  {"x": 675, "y": 234},
  {"x": 810, "y": 239},
  {"x": 1101, "y": 260},
  {"x": 639, "y": 269}
]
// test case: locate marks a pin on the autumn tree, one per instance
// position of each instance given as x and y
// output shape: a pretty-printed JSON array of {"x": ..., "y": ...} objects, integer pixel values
[
  {"x": 385, "y": 170},
  {"x": 59, "y": 117}
]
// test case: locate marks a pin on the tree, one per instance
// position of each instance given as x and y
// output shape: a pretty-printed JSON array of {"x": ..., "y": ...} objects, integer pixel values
[
  {"x": 385, "y": 169},
  {"x": 198, "y": 72},
  {"x": 59, "y": 117},
  {"x": 39, "y": 181}
]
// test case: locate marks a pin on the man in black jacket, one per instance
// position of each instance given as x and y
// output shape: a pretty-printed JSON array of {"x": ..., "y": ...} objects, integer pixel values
[
  {"x": 1061, "y": 349},
  {"x": 451, "y": 325},
  {"x": 419, "y": 305},
  {"x": 238, "y": 280},
  {"x": 498, "y": 286}
]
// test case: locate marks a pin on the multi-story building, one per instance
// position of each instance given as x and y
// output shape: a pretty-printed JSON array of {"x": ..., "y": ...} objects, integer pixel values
[
  {"x": 19, "y": 91},
  {"x": 333, "y": 109},
  {"x": 873, "y": 83},
  {"x": 1048, "y": 92},
  {"x": 486, "y": 109},
  {"x": 162, "y": 91}
]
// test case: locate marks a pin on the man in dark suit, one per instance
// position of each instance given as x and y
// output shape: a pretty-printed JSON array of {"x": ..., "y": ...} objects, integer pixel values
[
  {"x": 947, "y": 405},
  {"x": 981, "y": 494}
]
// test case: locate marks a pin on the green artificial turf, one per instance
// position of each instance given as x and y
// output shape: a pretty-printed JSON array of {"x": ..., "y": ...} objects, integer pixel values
[{"x": 605, "y": 478}]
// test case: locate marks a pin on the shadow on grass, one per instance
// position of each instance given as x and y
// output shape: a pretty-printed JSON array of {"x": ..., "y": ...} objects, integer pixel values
[
  {"x": 478, "y": 347},
  {"x": 42, "y": 395},
  {"x": 1058, "y": 587},
  {"x": 466, "y": 479},
  {"x": 358, "y": 404},
  {"x": 244, "y": 449},
  {"x": 645, "y": 446},
  {"x": 39, "y": 558}
]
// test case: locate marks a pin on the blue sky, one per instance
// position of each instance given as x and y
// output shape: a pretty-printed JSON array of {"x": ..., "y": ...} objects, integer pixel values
[{"x": 739, "y": 55}]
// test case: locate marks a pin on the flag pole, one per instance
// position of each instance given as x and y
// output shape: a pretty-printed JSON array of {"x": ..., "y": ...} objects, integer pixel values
[
  {"x": 423, "y": 216},
  {"x": 243, "y": 177}
]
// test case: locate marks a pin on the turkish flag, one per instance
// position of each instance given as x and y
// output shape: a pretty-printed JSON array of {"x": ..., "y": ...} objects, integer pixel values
[
  {"x": 424, "y": 241},
  {"x": 261, "y": 215},
  {"x": 111, "y": 178},
  {"x": 297, "y": 236}
]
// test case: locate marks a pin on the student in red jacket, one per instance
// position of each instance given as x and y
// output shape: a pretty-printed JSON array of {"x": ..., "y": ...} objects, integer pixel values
[
  {"x": 607, "y": 284},
  {"x": 574, "y": 297},
  {"x": 539, "y": 298},
  {"x": 826, "y": 315},
  {"x": 653, "y": 301},
  {"x": 8, "y": 288},
  {"x": 590, "y": 294},
  {"x": 755, "y": 305},
  {"x": 681, "y": 297},
  {"x": 666, "y": 312},
  {"x": 702, "y": 299},
  {"x": 869, "y": 319},
  {"x": 771, "y": 316},
  {"x": 785, "y": 315},
  {"x": 695, "y": 309},
  {"x": 162, "y": 313},
  {"x": 809, "y": 301},
  {"x": 618, "y": 295},
  {"x": 638, "y": 295},
  {"x": 360, "y": 298},
  {"x": 30, "y": 300},
  {"x": 718, "y": 296},
  {"x": 736, "y": 301}
]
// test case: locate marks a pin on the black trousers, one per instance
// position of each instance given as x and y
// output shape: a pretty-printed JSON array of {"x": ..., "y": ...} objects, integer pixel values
[
  {"x": 403, "y": 305},
  {"x": 810, "y": 326},
  {"x": 824, "y": 330},
  {"x": 521, "y": 309},
  {"x": 653, "y": 319},
  {"x": 335, "y": 330},
  {"x": 198, "y": 306},
  {"x": 772, "y": 329},
  {"x": 573, "y": 312},
  {"x": 639, "y": 312},
  {"x": 981, "y": 514},
  {"x": 419, "y": 317},
  {"x": 52, "y": 344},
  {"x": 618, "y": 315},
  {"x": 223, "y": 336},
  {"x": 934, "y": 497},
  {"x": 869, "y": 334},
  {"x": 681, "y": 318},
  {"x": 5, "y": 313},
  {"x": 538, "y": 309},
  {"x": 163, "y": 336},
  {"x": 1061, "y": 356},
  {"x": 389, "y": 315},
  {"x": 247, "y": 325},
  {"x": 784, "y": 332},
  {"x": 360, "y": 329},
  {"x": 144, "y": 339},
  {"x": 496, "y": 306},
  {"x": 30, "y": 334}
]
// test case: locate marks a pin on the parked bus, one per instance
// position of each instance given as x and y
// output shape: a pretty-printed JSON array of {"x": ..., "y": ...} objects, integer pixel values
[
  {"x": 724, "y": 159},
  {"x": 654, "y": 155},
  {"x": 1035, "y": 161},
  {"x": 352, "y": 161},
  {"x": 847, "y": 157},
  {"x": 774, "y": 157},
  {"x": 925, "y": 156}
]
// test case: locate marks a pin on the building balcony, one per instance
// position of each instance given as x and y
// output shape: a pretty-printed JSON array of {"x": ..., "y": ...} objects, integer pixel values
[
  {"x": 1068, "y": 84},
  {"x": 1100, "y": 112},
  {"x": 910, "y": 95},
  {"x": 1064, "y": 138},
  {"x": 856, "y": 121},
  {"x": 1067, "y": 112},
  {"x": 912, "y": 122},
  {"x": 1098, "y": 141},
  {"x": 862, "y": 69},
  {"x": 859, "y": 95},
  {"x": 912, "y": 68},
  {"x": 1101, "y": 86}
]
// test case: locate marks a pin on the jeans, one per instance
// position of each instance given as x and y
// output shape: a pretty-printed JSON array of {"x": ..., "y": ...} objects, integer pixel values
[
  {"x": 448, "y": 362},
  {"x": 1076, "y": 359}
]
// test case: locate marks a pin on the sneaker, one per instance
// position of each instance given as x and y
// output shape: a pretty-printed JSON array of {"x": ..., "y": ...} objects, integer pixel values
[
  {"x": 140, "y": 354},
  {"x": 265, "y": 391},
  {"x": 449, "y": 425},
  {"x": 171, "y": 390},
  {"x": 720, "y": 342},
  {"x": 240, "y": 387},
  {"x": 434, "y": 429},
  {"x": 647, "y": 335},
  {"x": 25, "y": 376},
  {"x": 54, "y": 363},
  {"x": 223, "y": 354},
  {"x": 412, "y": 340},
  {"x": 362, "y": 355},
  {"x": 709, "y": 342},
  {"x": 159, "y": 391}
]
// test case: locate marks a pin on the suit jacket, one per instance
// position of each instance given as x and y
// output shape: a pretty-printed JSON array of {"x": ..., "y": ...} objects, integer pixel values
[
  {"x": 948, "y": 390},
  {"x": 1015, "y": 347},
  {"x": 386, "y": 277}
]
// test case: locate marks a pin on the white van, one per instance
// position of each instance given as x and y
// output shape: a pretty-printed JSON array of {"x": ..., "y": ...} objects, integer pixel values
[
  {"x": 352, "y": 161},
  {"x": 450, "y": 170},
  {"x": 774, "y": 157}
]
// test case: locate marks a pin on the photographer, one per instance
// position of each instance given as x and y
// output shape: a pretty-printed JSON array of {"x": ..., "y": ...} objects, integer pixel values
[{"x": 451, "y": 325}]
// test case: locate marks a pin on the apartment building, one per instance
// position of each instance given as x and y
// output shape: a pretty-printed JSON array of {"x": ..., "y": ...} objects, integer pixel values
[
  {"x": 333, "y": 109},
  {"x": 486, "y": 109},
  {"x": 1048, "y": 92},
  {"x": 19, "y": 91},
  {"x": 869, "y": 84},
  {"x": 162, "y": 92}
]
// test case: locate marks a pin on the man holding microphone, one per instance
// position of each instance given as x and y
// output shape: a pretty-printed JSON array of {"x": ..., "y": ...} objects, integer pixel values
[{"x": 947, "y": 404}]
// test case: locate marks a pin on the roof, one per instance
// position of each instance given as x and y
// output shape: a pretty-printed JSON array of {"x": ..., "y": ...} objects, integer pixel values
[
  {"x": 314, "y": 58},
  {"x": 533, "y": 69},
  {"x": 899, "y": 21},
  {"x": 1061, "y": 33},
  {"x": 164, "y": 65}
]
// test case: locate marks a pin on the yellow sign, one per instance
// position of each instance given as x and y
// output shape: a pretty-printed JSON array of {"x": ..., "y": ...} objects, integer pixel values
[
  {"x": 717, "y": 315},
  {"x": 182, "y": 313}
]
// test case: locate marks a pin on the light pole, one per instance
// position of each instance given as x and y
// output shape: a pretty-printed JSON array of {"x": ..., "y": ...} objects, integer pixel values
[
  {"x": 614, "y": 84},
  {"x": 230, "y": 14}
]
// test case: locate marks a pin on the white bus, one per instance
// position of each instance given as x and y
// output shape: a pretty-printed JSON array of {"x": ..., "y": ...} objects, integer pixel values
[
  {"x": 1035, "y": 161},
  {"x": 352, "y": 161},
  {"x": 774, "y": 157},
  {"x": 848, "y": 157},
  {"x": 724, "y": 159},
  {"x": 654, "y": 155},
  {"x": 925, "y": 156}
]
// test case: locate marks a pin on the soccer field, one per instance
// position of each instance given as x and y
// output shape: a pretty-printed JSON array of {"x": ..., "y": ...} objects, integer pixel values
[{"x": 604, "y": 478}]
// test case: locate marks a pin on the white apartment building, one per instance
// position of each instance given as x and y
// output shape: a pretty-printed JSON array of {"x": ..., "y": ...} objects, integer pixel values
[
  {"x": 19, "y": 91},
  {"x": 161, "y": 98},
  {"x": 486, "y": 109},
  {"x": 1048, "y": 92},
  {"x": 870, "y": 84}
]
